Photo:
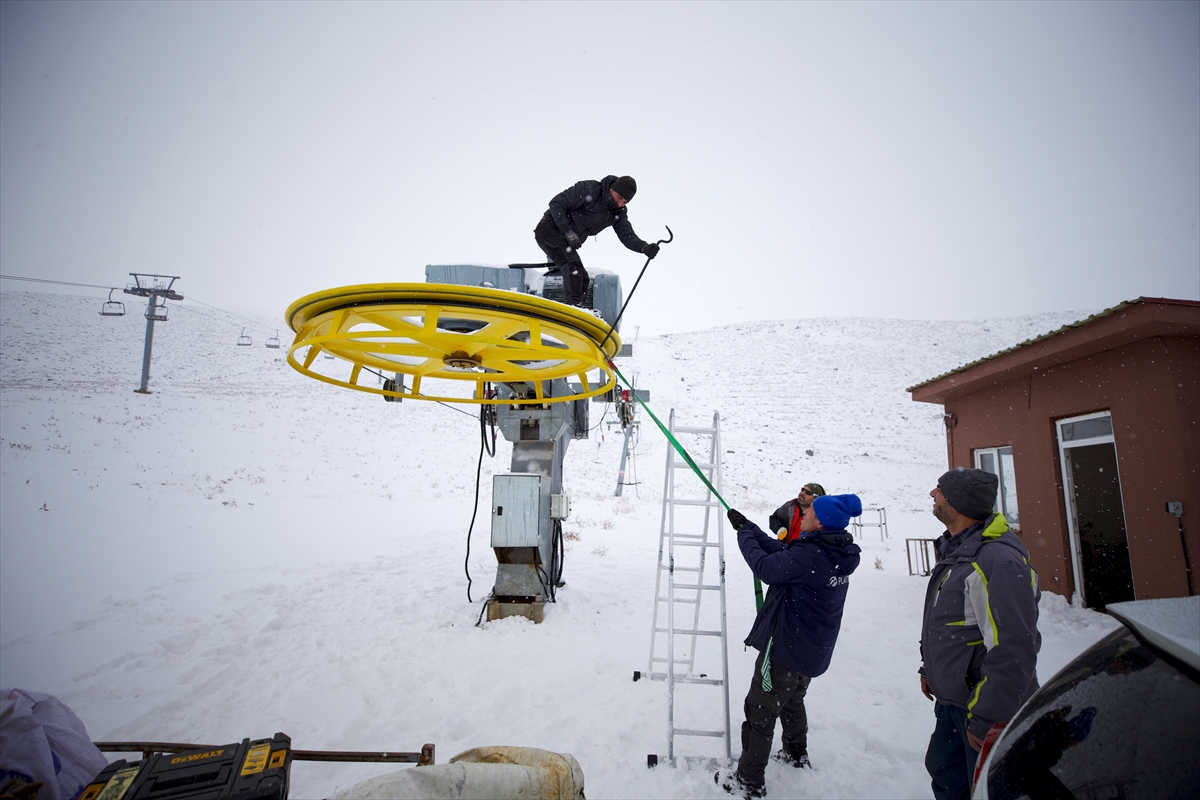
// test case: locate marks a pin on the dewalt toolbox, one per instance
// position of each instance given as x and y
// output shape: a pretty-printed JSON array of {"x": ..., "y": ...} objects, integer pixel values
[{"x": 251, "y": 770}]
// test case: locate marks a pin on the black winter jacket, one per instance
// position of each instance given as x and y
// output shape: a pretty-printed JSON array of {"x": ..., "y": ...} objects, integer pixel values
[
  {"x": 786, "y": 517},
  {"x": 587, "y": 208},
  {"x": 803, "y": 610}
]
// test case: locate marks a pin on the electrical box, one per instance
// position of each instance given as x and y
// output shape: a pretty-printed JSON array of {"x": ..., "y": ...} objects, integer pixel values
[
  {"x": 1175, "y": 508},
  {"x": 516, "y": 499},
  {"x": 560, "y": 506}
]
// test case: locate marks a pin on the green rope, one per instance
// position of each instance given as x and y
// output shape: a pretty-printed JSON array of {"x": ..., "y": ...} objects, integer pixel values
[
  {"x": 758, "y": 592},
  {"x": 767, "y": 685}
]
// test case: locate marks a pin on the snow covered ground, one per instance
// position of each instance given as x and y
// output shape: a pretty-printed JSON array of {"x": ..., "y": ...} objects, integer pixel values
[{"x": 247, "y": 551}]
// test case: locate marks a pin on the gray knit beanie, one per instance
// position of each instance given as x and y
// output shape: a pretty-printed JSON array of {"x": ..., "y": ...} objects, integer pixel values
[{"x": 970, "y": 492}]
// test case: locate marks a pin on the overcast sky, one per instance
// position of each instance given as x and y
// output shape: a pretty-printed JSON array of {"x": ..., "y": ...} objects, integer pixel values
[{"x": 909, "y": 160}]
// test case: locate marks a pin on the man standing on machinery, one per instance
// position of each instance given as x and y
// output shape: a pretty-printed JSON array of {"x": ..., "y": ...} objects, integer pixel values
[
  {"x": 795, "y": 630},
  {"x": 785, "y": 521},
  {"x": 581, "y": 211}
]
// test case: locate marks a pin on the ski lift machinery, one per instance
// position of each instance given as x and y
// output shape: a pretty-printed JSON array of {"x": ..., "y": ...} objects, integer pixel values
[{"x": 498, "y": 337}]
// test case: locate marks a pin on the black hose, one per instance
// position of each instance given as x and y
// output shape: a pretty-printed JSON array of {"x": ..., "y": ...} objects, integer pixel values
[
  {"x": 479, "y": 621},
  {"x": 557, "y": 554},
  {"x": 487, "y": 413},
  {"x": 475, "y": 513}
]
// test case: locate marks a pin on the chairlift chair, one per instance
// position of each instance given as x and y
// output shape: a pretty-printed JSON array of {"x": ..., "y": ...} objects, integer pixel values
[
  {"x": 112, "y": 308},
  {"x": 158, "y": 311},
  {"x": 244, "y": 340},
  {"x": 273, "y": 342}
]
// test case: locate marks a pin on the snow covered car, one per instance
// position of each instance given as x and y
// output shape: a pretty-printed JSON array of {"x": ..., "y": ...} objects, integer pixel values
[{"x": 1120, "y": 721}]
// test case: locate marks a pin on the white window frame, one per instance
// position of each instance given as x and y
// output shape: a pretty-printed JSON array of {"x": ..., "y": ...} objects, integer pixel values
[
  {"x": 1069, "y": 490},
  {"x": 999, "y": 507}
]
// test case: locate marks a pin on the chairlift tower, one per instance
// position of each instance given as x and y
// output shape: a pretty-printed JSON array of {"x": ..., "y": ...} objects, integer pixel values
[
  {"x": 157, "y": 290},
  {"x": 626, "y": 402}
]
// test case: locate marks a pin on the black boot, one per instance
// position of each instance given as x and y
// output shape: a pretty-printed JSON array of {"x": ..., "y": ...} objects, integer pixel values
[
  {"x": 731, "y": 781},
  {"x": 797, "y": 760}
]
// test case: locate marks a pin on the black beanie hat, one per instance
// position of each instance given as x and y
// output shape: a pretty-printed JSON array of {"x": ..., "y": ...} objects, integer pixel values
[
  {"x": 625, "y": 186},
  {"x": 970, "y": 492}
]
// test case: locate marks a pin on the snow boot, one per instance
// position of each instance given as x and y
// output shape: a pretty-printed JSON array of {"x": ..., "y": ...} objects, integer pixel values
[
  {"x": 799, "y": 760},
  {"x": 731, "y": 781}
]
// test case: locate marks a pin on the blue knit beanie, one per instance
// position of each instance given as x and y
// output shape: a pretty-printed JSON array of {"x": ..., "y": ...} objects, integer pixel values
[{"x": 835, "y": 510}]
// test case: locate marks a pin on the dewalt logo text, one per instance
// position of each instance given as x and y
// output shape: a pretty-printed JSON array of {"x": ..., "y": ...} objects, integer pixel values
[{"x": 197, "y": 756}]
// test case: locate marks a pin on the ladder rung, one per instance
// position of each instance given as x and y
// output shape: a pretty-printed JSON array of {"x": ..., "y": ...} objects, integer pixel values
[
  {"x": 697, "y": 544},
  {"x": 709, "y": 431},
  {"x": 687, "y": 732},
  {"x": 682, "y": 632},
  {"x": 705, "y": 586},
  {"x": 663, "y": 661},
  {"x": 703, "y": 681},
  {"x": 701, "y": 503},
  {"x": 685, "y": 536},
  {"x": 680, "y": 569},
  {"x": 700, "y": 464},
  {"x": 685, "y": 465},
  {"x": 692, "y": 601}
]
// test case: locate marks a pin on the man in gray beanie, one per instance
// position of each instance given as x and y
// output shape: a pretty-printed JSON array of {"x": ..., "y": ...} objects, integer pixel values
[
  {"x": 581, "y": 211},
  {"x": 979, "y": 636}
]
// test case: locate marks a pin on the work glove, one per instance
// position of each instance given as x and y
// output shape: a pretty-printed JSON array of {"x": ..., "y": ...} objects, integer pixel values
[
  {"x": 573, "y": 240},
  {"x": 737, "y": 520},
  {"x": 650, "y": 249}
]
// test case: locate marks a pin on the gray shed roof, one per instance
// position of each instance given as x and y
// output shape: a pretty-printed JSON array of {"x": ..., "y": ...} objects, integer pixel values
[{"x": 1057, "y": 331}]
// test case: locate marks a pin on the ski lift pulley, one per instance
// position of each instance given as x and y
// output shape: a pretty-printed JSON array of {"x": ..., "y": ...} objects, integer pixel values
[
  {"x": 441, "y": 334},
  {"x": 244, "y": 340},
  {"x": 112, "y": 308}
]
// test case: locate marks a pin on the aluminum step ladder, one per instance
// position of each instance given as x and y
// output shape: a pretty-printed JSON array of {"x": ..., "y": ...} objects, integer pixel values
[{"x": 683, "y": 557}]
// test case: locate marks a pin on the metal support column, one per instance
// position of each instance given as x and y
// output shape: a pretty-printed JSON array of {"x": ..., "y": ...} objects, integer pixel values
[{"x": 157, "y": 290}]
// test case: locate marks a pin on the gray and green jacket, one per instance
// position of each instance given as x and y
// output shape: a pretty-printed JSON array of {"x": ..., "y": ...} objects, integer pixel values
[{"x": 979, "y": 636}]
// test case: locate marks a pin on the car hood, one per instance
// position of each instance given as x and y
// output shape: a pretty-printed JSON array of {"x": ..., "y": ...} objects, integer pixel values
[{"x": 1169, "y": 624}]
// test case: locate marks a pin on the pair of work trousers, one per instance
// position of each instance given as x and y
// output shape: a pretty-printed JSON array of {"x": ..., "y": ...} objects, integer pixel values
[
  {"x": 783, "y": 701},
  {"x": 950, "y": 758},
  {"x": 566, "y": 258}
]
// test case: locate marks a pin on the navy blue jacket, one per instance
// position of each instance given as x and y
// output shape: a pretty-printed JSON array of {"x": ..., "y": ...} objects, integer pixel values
[
  {"x": 587, "y": 208},
  {"x": 803, "y": 609}
]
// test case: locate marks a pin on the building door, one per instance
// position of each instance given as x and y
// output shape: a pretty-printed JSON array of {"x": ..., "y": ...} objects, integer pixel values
[{"x": 1095, "y": 514}]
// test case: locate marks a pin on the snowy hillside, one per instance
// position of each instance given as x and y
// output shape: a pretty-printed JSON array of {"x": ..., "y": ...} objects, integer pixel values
[{"x": 247, "y": 551}]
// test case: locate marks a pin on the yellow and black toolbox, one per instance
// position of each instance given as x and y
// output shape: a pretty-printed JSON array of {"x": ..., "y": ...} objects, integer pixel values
[{"x": 251, "y": 770}]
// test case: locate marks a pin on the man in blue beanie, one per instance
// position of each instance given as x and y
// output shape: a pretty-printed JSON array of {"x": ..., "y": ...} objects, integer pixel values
[
  {"x": 979, "y": 636},
  {"x": 794, "y": 632}
]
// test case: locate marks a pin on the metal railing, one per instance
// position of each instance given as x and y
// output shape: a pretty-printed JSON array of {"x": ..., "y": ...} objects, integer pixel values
[
  {"x": 424, "y": 758},
  {"x": 921, "y": 554},
  {"x": 857, "y": 524}
]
